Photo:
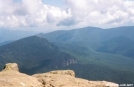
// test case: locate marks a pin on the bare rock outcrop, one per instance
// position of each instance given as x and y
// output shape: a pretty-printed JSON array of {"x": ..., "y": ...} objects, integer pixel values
[
  {"x": 11, "y": 66},
  {"x": 66, "y": 78},
  {"x": 11, "y": 77},
  {"x": 62, "y": 72}
]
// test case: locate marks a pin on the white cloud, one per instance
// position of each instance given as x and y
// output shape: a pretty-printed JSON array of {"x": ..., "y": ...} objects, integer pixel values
[
  {"x": 30, "y": 13},
  {"x": 77, "y": 13},
  {"x": 102, "y": 12}
]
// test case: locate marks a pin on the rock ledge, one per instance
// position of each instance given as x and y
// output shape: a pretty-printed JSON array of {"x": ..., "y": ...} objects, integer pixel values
[{"x": 11, "y": 77}]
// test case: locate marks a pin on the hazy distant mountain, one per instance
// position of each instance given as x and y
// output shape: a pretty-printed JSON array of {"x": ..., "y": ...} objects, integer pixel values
[
  {"x": 118, "y": 40},
  {"x": 5, "y": 42},
  {"x": 34, "y": 54},
  {"x": 120, "y": 45},
  {"x": 12, "y": 35}
]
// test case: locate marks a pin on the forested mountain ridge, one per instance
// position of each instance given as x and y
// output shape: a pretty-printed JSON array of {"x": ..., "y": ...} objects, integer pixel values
[
  {"x": 35, "y": 52},
  {"x": 102, "y": 40}
]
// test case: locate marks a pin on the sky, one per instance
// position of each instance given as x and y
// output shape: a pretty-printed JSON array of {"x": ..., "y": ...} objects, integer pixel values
[{"x": 51, "y": 15}]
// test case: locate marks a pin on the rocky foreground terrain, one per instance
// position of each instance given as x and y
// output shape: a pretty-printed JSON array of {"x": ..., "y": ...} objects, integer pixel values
[{"x": 11, "y": 77}]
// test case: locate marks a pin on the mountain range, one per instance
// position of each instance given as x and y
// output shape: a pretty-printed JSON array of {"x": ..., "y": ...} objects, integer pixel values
[
  {"x": 93, "y": 53},
  {"x": 115, "y": 40}
]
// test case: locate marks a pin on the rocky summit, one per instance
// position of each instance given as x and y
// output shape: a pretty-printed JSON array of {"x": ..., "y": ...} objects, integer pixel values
[{"x": 11, "y": 77}]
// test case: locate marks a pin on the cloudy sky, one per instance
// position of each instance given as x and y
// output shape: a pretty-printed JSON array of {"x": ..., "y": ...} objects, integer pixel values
[{"x": 49, "y": 15}]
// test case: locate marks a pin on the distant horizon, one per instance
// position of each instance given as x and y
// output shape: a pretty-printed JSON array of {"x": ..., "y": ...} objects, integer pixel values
[{"x": 41, "y": 31}]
